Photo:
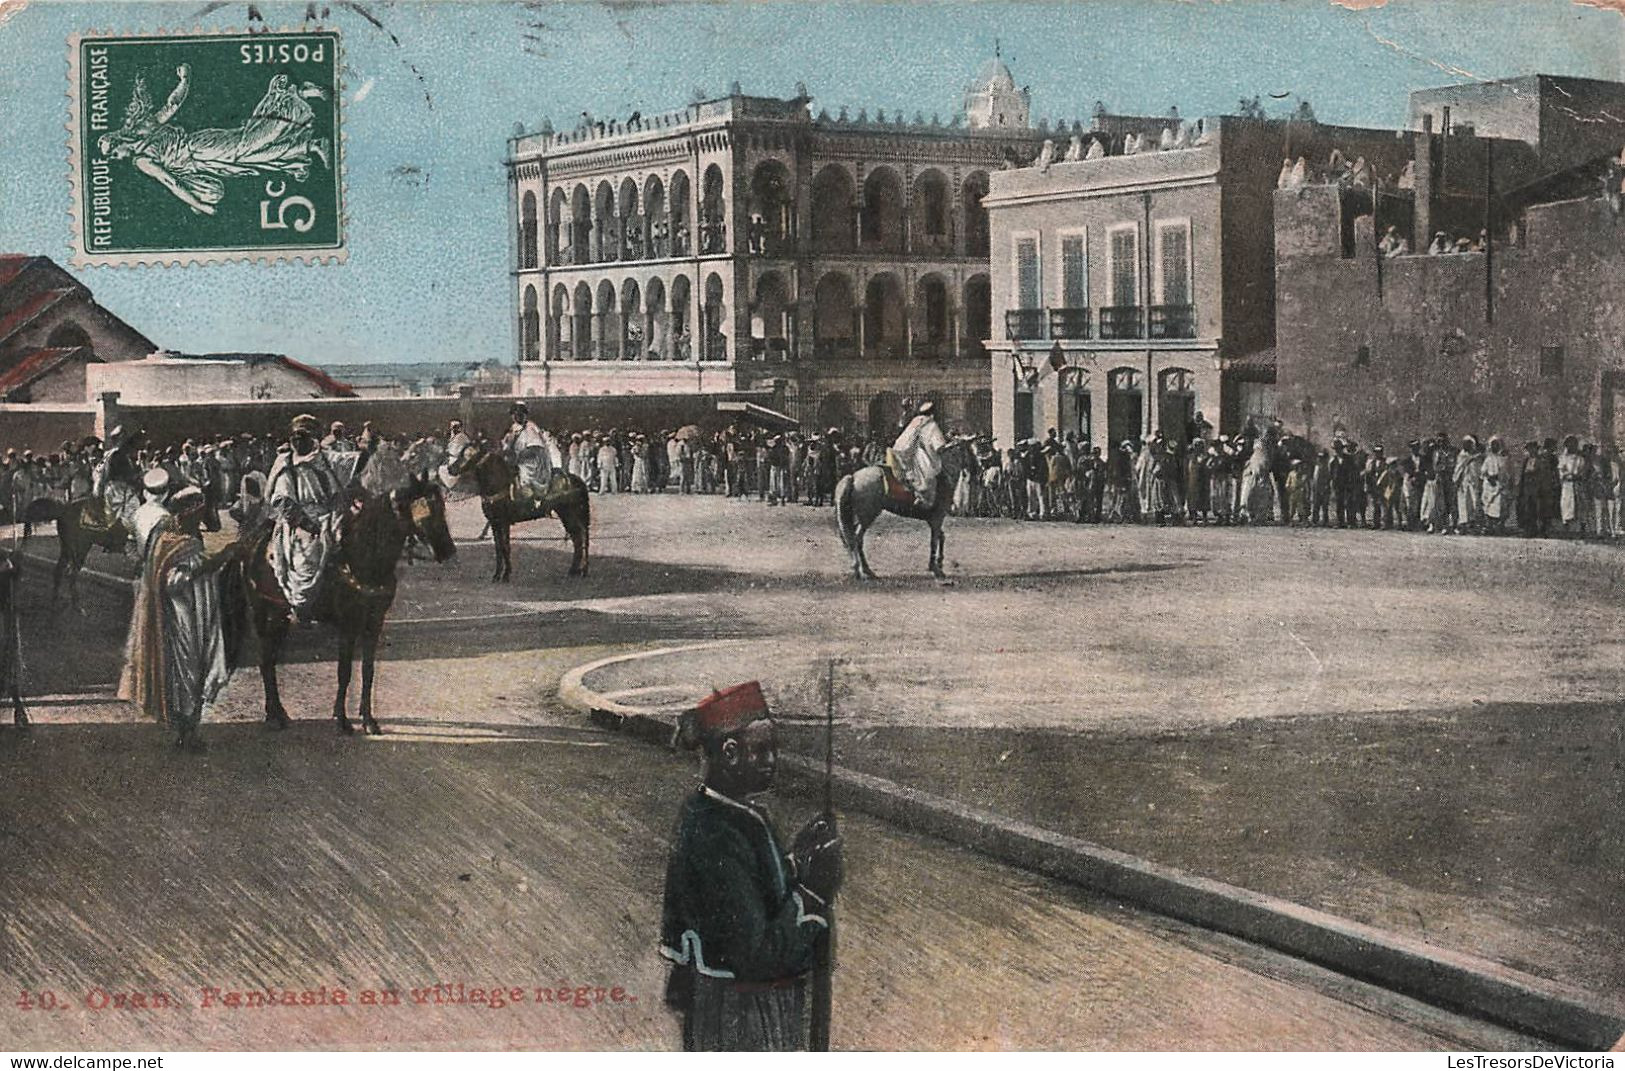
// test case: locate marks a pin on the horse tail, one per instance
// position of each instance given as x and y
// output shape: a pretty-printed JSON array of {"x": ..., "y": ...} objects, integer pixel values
[{"x": 843, "y": 512}]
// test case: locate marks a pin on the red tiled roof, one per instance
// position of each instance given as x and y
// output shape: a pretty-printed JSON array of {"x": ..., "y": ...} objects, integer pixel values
[
  {"x": 11, "y": 266},
  {"x": 28, "y": 310},
  {"x": 33, "y": 365},
  {"x": 330, "y": 386},
  {"x": 322, "y": 379}
]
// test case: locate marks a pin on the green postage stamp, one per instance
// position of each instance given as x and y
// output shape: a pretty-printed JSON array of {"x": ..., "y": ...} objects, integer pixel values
[{"x": 206, "y": 147}]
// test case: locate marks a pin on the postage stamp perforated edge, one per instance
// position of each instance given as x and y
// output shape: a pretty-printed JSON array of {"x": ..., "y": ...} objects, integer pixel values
[{"x": 82, "y": 257}]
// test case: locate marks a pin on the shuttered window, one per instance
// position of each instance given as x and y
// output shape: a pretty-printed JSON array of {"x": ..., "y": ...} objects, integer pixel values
[
  {"x": 1074, "y": 273},
  {"x": 1125, "y": 268},
  {"x": 1029, "y": 281},
  {"x": 1175, "y": 245}
]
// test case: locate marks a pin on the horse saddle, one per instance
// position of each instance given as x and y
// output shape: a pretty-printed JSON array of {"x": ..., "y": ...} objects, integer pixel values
[
  {"x": 95, "y": 519},
  {"x": 897, "y": 488},
  {"x": 531, "y": 504}
]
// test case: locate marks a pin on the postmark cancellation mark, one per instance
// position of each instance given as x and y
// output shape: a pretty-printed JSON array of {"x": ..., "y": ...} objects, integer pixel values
[{"x": 206, "y": 147}]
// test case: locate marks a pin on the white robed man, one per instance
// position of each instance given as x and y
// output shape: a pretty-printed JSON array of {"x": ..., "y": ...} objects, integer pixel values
[
  {"x": 176, "y": 661},
  {"x": 531, "y": 452},
  {"x": 918, "y": 452},
  {"x": 153, "y": 511},
  {"x": 303, "y": 498}
]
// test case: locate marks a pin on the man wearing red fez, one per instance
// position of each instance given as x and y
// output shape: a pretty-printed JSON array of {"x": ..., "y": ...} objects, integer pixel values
[{"x": 742, "y": 918}]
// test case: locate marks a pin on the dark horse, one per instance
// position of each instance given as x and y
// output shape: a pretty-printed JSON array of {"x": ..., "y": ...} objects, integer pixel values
[
  {"x": 566, "y": 496},
  {"x": 358, "y": 591},
  {"x": 861, "y": 498},
  {"x": 80, "y": 525}
]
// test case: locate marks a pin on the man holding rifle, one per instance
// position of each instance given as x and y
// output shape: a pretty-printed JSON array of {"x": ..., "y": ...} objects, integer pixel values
[{"x": 743, "y": 923}]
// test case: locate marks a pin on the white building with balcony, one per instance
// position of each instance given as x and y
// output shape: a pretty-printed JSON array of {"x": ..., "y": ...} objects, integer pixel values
[
  {"x": 1134, "y": 286},
  {"x": 746, "y": 243}
]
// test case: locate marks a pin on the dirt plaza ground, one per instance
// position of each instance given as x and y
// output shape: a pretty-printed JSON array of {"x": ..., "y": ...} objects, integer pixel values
[{"x": 1415, "y": 732}]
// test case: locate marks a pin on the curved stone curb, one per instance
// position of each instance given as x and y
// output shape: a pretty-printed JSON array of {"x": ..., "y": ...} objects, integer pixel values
[{"x": 1459, "y": 982}]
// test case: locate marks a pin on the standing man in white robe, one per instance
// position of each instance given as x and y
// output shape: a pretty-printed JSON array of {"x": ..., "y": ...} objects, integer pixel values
[
  {"x": 1495, "y": 475},
  {"x": 152, "y": 512},
  {"x": 918, "y": 451},
  {"x": 303, "y": 497},
  {"x": 177, "y": 656}
]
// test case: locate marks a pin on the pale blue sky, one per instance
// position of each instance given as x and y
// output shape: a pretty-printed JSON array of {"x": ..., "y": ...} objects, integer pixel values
[{"x": 441, "y": 87}]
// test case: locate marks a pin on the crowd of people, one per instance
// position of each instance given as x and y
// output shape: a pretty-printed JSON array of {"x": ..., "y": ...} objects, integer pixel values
[
  {"x": 1263, "y": 475},
  {"x": 1439, "y": 485}
]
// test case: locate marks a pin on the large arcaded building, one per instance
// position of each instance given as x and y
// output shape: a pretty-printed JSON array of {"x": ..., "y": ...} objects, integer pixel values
[{"x": 745, "y": 243}]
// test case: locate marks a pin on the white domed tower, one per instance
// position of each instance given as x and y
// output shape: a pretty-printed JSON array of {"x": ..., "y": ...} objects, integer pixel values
[{"x": 993, "y": 102}]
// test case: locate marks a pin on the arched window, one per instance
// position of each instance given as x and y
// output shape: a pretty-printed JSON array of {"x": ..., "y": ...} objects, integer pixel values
[
  {"x": 834, "y": 317},
  {"x": 580, "y": 226},
  {"x": 527, "y": 231},
  {"x": 771, "y": 211},
  {"x": 1125, "y": 405},
  {"x": 978, "y": 316},
  {"x": 1075, "y": 405},
  {"x": 632, "y": 326},
  {"x": 883, "y": 211},
  {"x": 682, "y": 237},
  {"x": 657, "y": 322},
  {"x": 716, "y": 320},
  {"x": 832, "y": 218},
  {"x": 529, "y": 327},
  {"x": 68, "y": 335},
  {"x": 770, "y": 318},
  {"x": 658, "y": 224},
  {"x": 883, "y": 323},
  {"x": 971, "y": 194},
  {"x": 606, "y": 335},
  {"x": 713, "y": 214},
  {"x": 682, "y": 329},
  {"x": 560, "y": 325},
  {"x": 558, "y": 228},
  {"x": 581, "y": 329},
  {"x": 630, "y": 223},
  {"x": 1176, "y": 404},
  {"x": 931, "y": 199},
  {"x": 606, "y": 236},
  {"x": 931, "y": 308}
]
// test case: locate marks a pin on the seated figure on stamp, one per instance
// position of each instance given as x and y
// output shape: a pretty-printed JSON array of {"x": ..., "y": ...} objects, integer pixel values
[{"x": 275, "y": 139}]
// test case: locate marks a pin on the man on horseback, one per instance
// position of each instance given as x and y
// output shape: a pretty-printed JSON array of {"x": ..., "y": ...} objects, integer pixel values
[
  {"x": 303, "y": 498},
  {"x": 531, "y": 453},
  {"x": 918, "y": 454},
  {"x": 118, "y": 480}
]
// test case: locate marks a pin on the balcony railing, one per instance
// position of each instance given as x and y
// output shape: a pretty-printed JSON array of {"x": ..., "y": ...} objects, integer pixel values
[
  {"x": 1024, "y": 324},
  {"x": 1121, "y": 321},
  {"x": 1173, "y": 321},
  {"x": 1069, "y": 323}
]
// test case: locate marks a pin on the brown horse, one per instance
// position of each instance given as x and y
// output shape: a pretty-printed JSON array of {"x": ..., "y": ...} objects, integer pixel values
[
  {"x": 566, "y": 496},
  {"x": 357, "y": 594},
  {"x": 81, "y": 525},
  {"x": 862, "y": 497}
]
